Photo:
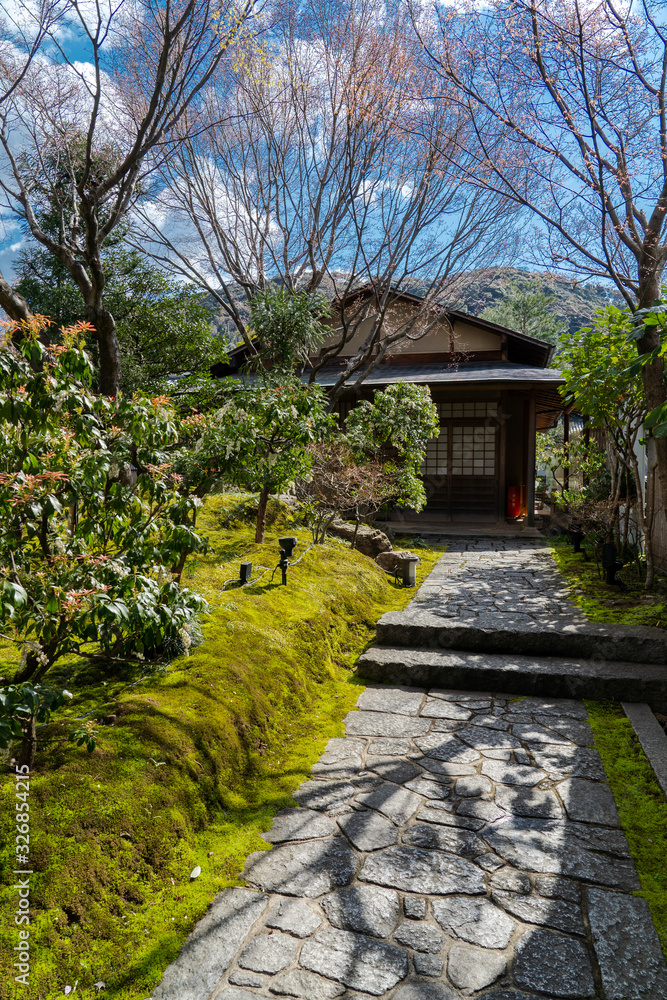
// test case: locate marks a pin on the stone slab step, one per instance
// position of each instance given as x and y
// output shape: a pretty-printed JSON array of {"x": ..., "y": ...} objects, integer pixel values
[
  {"x": 550, "y": 676},
  {"x": 545, "y": 636}
]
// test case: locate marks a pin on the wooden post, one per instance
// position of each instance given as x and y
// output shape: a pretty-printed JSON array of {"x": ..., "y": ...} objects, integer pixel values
[
  {"x": 566, "y": 441},
  {"x": 530, "y": 463},
  {"x": 502, "y": 453}
]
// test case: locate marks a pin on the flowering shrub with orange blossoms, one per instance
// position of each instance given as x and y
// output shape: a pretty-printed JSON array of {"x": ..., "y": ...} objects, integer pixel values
[{"x": 91, "y": 521}]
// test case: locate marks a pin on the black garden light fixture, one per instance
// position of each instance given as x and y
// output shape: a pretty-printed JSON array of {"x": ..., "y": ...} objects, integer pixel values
[
  {"x": 287, "y": 546},
  {"x": 407, "y": 568},
  {"x": 611, "y": 566}
]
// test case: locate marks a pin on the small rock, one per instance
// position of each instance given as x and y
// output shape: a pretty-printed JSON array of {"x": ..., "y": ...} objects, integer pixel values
[
  {"x": 399, "y": 700},
  {"x": 424, "y": 991},
  {"x": 471, "y": 969},
  {"x": 558, "y": 914},
  {"x": 427, "y": 965},
  {"x": 477, "y": 921},
  {"x": 557, "y": 888},
  {"x": 420, "y": 937},
  {"x": 196, "y": 872},
  {"x": 435, "y": 708},
  {"x": 384, "y": 724},
  {"x": 477, "y": 808},
  {"x": 429, "y": 789},
  {"x": 414, "y": 870},
  {"x": 367, "y": 830},
  {"x": 444, "y": 838},
  {"x": 553, "y": 964},
  {"x": 489, "y": 862},
  {"x": 293, "y": 916},
  {"x": 368, "y": 541},
  {"x": 521, "y": 801},
  {"x": 414, "y": 907},
  {"x": 589, "y": 802},
  {"x": 268, "y": 953},
  {"x": 308, "y": 869},
  {"x": 474, "y": 786},
  {"x": 363, "y": 908},
  {"x": 391, "y": 769},
  {"x": 510, "y": 881},
  {"x": 299, "y": 983},
  {"x": 358, "y": 961},
  {"x": 512, "y": 774},
  {"x": 242, "y": 978},
  {"x": 298, "y": 824},
  {"x": 398, "y": 804}
]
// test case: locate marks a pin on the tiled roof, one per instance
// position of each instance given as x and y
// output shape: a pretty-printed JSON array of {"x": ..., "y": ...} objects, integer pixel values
[{"x": 498, "y": 371}]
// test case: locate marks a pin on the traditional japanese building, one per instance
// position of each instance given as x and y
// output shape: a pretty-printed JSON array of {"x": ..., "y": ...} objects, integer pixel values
[{"x": 494, "y": 392}]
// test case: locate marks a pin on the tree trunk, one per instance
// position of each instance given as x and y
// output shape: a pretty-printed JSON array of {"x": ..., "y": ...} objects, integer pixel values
[
  {"x": 178, "y": 567},
  {"x": 13, "y": 303},
  {"x": 653, "y": 375},
  {"x": 645, "y": 516},
  {"x": 28, "y": 744},
  {"x": 108, "y": 348},
  {"x": 261, "y": 514}
]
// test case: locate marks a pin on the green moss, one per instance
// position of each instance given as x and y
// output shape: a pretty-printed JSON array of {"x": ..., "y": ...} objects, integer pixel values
[
  {"x": 601, "y": 603},
  {"x": 198, "y": 761},
  {"x": 641, "y": 804}
]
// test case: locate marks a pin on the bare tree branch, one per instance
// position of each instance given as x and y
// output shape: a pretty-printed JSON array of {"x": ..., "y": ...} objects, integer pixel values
[{"x": 321, "y": 167}]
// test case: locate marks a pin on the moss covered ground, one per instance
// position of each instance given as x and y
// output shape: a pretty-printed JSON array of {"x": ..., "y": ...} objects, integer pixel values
[
  {"x": 195, "y": 764},
  {"x": 603, "y": 603},
  {"x": 642, "y": 806}
]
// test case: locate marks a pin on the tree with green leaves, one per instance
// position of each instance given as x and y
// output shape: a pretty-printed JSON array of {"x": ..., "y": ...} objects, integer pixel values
[
  {"x": 287, "y": 327},
  {"x": 392, "y": 431},
  {"x": 95, "y": 122},
  {"x": 91, "y": 523},
  {"x": 258, "y": 438},
  {"x": 527, "y": 309},
  {"x": 603, "y": 382},
  {"x": 166, "y": 341}
]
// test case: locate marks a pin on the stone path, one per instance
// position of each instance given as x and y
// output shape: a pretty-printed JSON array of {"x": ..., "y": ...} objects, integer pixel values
[
  {"x": 485, "y": 580},
  {"x": 502, "y": 597},
  {"x": 451, "y": 845}
]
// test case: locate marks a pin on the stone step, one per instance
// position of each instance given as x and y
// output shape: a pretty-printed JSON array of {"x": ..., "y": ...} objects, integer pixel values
[
  {"x": 544, "y": 635},
  {"x": 550, "y": 676}
]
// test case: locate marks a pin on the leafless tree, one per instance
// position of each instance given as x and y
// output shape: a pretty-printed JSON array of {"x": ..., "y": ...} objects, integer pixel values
[
  {"x": 333, "y": 173},
  {"x": 569, "y": 105},
  {"x": 23, "y": 30},
  {"x": 83, "y": 134}
]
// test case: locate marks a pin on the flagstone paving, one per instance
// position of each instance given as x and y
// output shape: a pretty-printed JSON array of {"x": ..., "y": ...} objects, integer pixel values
[
  {"x": 451, "y": 845},
  {"x": 506, "y": 595}
]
